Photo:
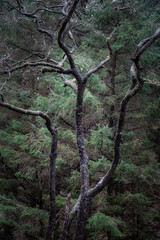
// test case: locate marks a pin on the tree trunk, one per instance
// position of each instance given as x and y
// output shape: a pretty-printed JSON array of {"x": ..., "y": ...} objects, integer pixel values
[
  {"x": 80, "y": 140},
  {"x": 84, "y": 201},
  {"x": 82, "y": 218},
  {"x": 52, "y": 213},
  {"x": 112, "y": 82}
]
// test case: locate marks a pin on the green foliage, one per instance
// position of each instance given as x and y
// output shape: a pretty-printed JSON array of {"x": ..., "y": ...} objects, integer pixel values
[
  {"x": 8, "y": 154},
  {"x": 59, "y": 163},
  {"x": 131, "y": 206},
  {"x": 102, "y": 139},
  {"x": 8, "y": 212},
  {"x": 61, "y": 201},
  {"x": 92, "y": 102},
  {"x": 42, "y": 103},
  {"x": 102, "y": 16},
  {"x": 96, "y": 167},
  {"x": 74, "y": 181},
  {"x": 67, "y": 135},
  {"x": 125, "y": 171},
  {"x": 99, "y": 222},
  {"x": 17, "y": 216}
]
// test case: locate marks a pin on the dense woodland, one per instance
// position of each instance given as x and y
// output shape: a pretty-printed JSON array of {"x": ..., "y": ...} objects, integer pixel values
[{"x": 79, "y": 119}]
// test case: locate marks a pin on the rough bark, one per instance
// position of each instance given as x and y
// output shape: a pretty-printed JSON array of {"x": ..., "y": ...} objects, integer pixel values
[
  {"x": 82, "y": 217},
  {"x": 80, "y": 140},
  {"x": 84, "y": 201},
  {"x": 68, "y": 220}
]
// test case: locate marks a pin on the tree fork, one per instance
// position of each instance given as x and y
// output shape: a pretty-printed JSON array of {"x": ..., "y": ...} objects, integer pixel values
[{"x": 134, "y": 89}]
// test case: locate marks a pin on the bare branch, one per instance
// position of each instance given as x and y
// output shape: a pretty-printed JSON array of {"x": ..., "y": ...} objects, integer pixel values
[
  {"x": 34, "y": 53},
  {"x": 52, "y": 7},
  {"x": 28, "y": 112},
  {"x": 134, "y": 89},
  {"x": 3, "y": 98},
  {"x": 49, "y": 68},
  {"x": 62, "y": 44},
  {"x": 96, "y": 69},
  {"x": 34, "y": 16},
  {"x": 146, "y": 43},
  {"x": 69, "y": 83}
]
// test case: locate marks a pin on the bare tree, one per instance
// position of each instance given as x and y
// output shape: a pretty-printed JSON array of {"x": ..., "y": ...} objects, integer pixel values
[{"x": 63, "y": 29}]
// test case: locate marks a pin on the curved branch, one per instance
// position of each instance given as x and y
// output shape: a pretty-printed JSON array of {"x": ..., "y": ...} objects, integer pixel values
[
  {"x": 144, "y": 44},
  {"x": 134, "y": 89},
  {"x": 62, "y": 44},
  {"x": 49, "y": 68},
  {"x": 28, "y": 112},
  {"x": 34, "y": 16}
]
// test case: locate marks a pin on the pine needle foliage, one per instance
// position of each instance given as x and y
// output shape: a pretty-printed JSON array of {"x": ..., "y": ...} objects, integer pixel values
[{"x": 100, "y": 222}]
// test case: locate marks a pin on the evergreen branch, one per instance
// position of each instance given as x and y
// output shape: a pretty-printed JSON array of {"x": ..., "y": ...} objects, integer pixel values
[{"x": 53, "y": 156}]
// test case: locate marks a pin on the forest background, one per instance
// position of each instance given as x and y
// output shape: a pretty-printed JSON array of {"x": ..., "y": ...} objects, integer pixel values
[{"x": 102, "y": 40}]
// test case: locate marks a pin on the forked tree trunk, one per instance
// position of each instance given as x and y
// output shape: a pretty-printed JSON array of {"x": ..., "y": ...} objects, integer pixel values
[
  {"x": 82, "y": 217},
  {"x": 86, "y": 194}
]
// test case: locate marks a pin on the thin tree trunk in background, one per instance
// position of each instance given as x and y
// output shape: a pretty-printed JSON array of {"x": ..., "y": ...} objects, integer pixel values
[
  {"x": 112, "y": 82},
  {"x": 52, "y": 213},
  {"x": 41, "y": 207}
]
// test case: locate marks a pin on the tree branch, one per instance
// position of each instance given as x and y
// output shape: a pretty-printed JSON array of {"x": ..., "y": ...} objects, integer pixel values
[
  {"x": 28, "y": 112},
  {"x": 134, "y": 89},
  {"x": 48, "y": 67},
  {"x": 63, "y": 45},
  {"x": 146, "y": 43},
  {"x": 69, "y": 84},
  {"x": 95, "y": 69}
]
